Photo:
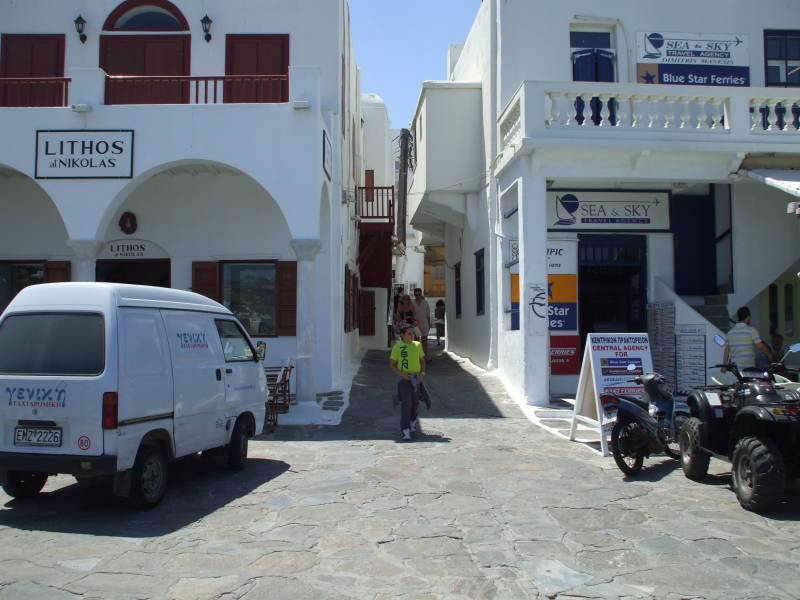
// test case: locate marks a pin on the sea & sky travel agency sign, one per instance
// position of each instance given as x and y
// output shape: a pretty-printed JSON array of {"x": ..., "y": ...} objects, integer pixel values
[
  {"x": 692, "y": 58},
  {"x": 608, "y": 210},
  {"x": 84, "y": 154}
]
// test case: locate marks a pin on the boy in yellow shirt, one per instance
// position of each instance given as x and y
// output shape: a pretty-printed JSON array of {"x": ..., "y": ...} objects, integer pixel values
[{"x": 407, "y": 361}]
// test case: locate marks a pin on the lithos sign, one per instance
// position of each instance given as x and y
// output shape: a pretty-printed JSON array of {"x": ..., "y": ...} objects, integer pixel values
[{"x": 84, "y": 154}]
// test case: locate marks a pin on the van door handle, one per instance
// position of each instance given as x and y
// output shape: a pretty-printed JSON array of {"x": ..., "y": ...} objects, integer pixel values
[
  {"x": 229, "y": 371},
  {"x": 219, "y": 374}
]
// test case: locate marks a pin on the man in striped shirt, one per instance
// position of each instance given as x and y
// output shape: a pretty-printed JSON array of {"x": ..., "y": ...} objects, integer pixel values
[{"x": 743, "y": 341}]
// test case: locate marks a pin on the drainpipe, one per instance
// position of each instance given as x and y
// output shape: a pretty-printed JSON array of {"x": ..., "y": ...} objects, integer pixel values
[{"x": 402, "y": 187}]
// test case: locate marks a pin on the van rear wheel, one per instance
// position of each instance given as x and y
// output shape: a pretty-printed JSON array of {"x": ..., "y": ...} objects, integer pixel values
[
  {"x": 24, "y": 484},
  {"x": 149, "y": 480},
  {"x": 237, "y": 448}
]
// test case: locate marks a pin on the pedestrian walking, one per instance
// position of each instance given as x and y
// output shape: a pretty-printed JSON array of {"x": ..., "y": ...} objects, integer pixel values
[
  {"x": 404, "y": 313},
  {"x": 422, "y": 313},
  {"x": 407, "y": 361},
  {"x": 438, "y": 321}
]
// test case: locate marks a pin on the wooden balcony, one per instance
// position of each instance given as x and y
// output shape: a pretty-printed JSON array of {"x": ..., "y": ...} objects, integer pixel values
[
  {"x": 376, "y": 208},
  {"x": 178, "y": 89},
  {"x": 34, "y": 91}
]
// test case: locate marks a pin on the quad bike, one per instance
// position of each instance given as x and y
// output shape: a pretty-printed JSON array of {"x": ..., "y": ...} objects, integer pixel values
[
  {"x": 754, "y": 424},
  {"x": 645, "y": 425}
]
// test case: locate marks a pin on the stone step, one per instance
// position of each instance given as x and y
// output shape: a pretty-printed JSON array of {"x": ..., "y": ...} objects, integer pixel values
[
  {"x": 712, "y": 311},
  {"x": 720, "y": 299}
]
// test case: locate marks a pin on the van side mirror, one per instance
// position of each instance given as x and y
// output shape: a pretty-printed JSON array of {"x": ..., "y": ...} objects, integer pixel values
[{"x": 261, "y": 350}]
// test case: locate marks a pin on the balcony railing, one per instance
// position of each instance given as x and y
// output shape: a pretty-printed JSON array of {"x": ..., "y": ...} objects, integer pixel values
[
  {"x": 34, "y": 91},
  {"x": 376, "y": 205},
  {"x": 230, "y": 89},
  {"x": 674, "y": 112}
]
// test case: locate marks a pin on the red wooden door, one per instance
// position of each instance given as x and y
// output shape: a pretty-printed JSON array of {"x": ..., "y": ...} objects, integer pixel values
[
  {"x": 257, "y": 55},
  {"x": 24, "y": 56},
  {"x": 143, "y": 55},
  {"x": 367, "y": 316}
]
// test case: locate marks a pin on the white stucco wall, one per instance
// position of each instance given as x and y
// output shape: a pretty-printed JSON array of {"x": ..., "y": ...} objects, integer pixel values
[
  {"x": 535, "y": 35},
  {"x": 210, "y": 182},
  {"x": 766, "y": 241}
]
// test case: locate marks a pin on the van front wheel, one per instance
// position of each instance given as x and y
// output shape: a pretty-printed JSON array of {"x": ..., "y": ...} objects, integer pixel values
[
  {"x": 237, "y": 448},
  {"x": 24, "y": 484},
  {"x": 149, "y": 480}
]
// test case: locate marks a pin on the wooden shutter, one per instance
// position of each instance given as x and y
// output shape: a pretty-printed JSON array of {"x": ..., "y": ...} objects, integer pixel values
[
  {"x": 367, "y": 313},
  {"x": 57, "y": 270},
  {"x": 32, "y": 55},
  {"x": 205, "y": 279},
  {"x": 286, "y": 298}
]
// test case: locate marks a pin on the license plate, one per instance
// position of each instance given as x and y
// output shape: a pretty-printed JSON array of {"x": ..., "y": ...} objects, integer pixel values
[
  {"x": 37, "y": 436},
  {"x": 610, "y": 416}
]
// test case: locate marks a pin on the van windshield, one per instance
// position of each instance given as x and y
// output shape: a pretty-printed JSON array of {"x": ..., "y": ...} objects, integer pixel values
[{"x": 52, "y": 344}]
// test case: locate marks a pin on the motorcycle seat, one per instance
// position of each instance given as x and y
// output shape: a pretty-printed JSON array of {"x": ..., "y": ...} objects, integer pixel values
[{"x": 638, "y": 401}]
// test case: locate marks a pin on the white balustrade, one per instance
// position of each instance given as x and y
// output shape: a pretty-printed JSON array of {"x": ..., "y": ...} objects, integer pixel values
[{"x": 649, "y": 108}]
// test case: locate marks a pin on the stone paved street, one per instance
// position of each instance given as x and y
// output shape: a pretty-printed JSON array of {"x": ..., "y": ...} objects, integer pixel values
[{"x": 482, "y": 504}]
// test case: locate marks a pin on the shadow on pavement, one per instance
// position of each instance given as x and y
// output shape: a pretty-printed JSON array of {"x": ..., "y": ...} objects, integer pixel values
[
  {"x": 195, "y": 490},
  {"x": 655, "y": 471}
]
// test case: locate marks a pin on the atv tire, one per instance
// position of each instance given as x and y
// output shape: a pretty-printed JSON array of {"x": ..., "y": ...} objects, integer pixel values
[
  {"x": 694, "y": 460},
  {"x": 757, "y": 473}
]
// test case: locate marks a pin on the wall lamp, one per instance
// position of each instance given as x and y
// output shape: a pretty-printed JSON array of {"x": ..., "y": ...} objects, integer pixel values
[
  {"x": 80, "y": 25},
  {"x": 206, "y": 23}
]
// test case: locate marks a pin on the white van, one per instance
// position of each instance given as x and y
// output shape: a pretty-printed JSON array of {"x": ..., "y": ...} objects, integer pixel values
[{"x": 104, "y": 379}]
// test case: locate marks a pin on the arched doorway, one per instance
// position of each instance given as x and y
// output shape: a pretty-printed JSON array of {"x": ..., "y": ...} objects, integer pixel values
[
  {"x": 155, "y": 43},
  {"x": 134, "y": 261}
]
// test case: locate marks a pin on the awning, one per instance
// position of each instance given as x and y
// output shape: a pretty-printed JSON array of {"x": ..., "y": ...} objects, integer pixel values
[{"x": 786, "y": 180}]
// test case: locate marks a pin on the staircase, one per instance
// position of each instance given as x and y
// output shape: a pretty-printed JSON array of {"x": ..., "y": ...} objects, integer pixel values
[{"x": 715, "y": 310}]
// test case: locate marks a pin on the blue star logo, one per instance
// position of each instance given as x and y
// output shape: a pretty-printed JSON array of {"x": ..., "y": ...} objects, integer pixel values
[{"x": 649, "y": 77}]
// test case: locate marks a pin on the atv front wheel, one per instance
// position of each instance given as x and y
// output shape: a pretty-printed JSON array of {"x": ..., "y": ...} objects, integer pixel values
[
  {"x": 694, "y": 460},
  {"x": 757, "y": 474},
  {"x": 627, "y": 446}
]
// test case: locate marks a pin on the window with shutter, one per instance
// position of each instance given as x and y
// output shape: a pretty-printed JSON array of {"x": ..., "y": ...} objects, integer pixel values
[
  {"x": 56, "y": 271},
  {"x": 16, "y": 275},
  {"x": 262, "y": 294}
]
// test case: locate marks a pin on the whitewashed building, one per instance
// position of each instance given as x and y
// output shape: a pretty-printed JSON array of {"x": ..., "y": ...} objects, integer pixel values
[
  {"x": 217, "y": 147},
  {"x": 600, "y": 167}
]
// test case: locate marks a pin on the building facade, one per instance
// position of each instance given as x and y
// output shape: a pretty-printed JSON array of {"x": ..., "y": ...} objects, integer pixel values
[
  {"x": 610, "y": 169},
  {"x": 211, "y": 147}
]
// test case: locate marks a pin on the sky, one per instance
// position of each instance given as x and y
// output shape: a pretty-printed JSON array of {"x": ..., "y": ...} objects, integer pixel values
[{"x": 401, "y": 43}]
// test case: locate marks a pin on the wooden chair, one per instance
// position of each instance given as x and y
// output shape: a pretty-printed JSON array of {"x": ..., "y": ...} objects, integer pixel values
[{"x": 279, "y": 384}]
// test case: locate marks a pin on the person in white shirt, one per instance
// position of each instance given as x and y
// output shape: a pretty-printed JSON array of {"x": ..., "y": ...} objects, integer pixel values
[{"x": 742, "y": 341}]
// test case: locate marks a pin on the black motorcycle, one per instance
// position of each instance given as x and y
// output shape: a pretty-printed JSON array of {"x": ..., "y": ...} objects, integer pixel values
[{"x": 646, "y": 425}]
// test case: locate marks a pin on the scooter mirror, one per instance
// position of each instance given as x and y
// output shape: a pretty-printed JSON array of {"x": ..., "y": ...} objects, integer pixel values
[
  {"x": 720, "y": 341},
  {"x": 794, "y": 347}
]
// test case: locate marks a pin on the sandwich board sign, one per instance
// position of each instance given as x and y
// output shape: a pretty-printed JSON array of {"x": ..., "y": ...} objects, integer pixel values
[{"x": 609, "y": 361}]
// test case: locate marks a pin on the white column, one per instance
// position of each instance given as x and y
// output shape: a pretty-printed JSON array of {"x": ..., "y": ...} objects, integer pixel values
[
  {"x": 83, "y": 267},
  {"x": 533, "y": 289},
  {"x": 306, "y": 250}
]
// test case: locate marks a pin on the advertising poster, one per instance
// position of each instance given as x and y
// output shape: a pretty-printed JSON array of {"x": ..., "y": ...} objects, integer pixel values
[
  {"x": 562, "y": 306},
  {"x": 611, "y": 356},
  {"x": 692, "y": 59},
  {"x": 565, "y": 354},
  {"x": 604, "y": 370}
]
